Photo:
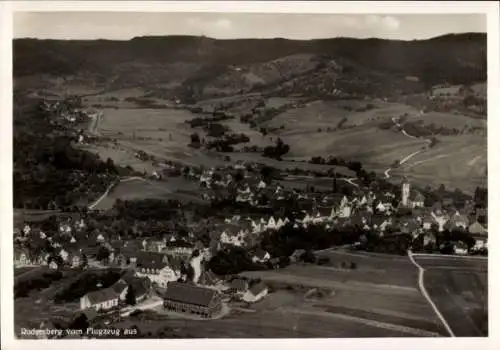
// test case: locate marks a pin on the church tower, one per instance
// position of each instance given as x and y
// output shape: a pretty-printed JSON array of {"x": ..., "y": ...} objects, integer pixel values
[{"x": 405, "y": 193}]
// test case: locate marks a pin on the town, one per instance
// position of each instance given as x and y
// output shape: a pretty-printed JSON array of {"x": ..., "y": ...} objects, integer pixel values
[
  {"x": 185, "y": 258},
  {"x": 188, "y": 186}
]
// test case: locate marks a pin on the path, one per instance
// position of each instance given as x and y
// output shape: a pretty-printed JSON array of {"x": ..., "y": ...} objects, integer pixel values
[
  {"x": 151, "y": 303},
  {"x": 137, "y": 178},
  {"x": 410, "y": 156},
  {"x": 451, "y": 256},
  {"x": 426, "y": 295},
  {"x": 350, "y": 181}
]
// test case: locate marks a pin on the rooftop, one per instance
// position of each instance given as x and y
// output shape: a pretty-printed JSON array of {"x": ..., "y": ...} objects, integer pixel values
[{"x": 189, "y": 294}]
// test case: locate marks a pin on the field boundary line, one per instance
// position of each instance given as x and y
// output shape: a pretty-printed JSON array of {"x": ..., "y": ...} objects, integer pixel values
[
  {"x": 426, "y": 295},
  {"x": 443, "y": 256}
]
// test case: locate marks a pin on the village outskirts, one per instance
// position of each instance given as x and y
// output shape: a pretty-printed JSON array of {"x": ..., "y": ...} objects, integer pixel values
[{"x": 173, "y": 259}]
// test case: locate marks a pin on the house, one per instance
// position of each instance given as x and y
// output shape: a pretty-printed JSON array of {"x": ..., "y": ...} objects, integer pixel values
[
  {"x": 417, "y": 200},
  {"x": 182, "y": 297},
  {"x": 103, "y": 299},
  {"x": 120, "y": 288},
  {"x": 480, "y": 234},
  {"x": 296, "y": 255},
  {"x": 441, "y": 219},
  {"x": 238, "y": 286},
  {"x": 261, "y": 256},
  {"x": 460, "y": 248},
  {"x": 53, "y": 265},
  {"x": 256, "y": 293},
  {"x": 22, "y": 258},
  {"x": 141, "y": 288}
]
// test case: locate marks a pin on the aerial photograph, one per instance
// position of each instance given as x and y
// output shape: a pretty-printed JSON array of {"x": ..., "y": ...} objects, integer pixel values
[{"x": 249, "y": 175}]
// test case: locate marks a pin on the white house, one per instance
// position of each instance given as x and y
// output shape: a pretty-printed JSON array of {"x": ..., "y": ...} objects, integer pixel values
[
  {"x": 103, "y": 299},
  {"x": 271, "y": 224},
  {"x": 441, "y": 220},
  {"x": 460, "y": 248},
  {"x": 255, "y": 293},
  {"x": 261, "y": 256}
]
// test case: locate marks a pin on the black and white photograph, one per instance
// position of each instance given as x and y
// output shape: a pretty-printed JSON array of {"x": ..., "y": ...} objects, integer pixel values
[{"x": 193, "y": 175}]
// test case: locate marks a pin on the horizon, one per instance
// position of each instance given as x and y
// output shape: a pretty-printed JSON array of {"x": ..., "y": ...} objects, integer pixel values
[
  {"x": 124, "y": 26},
  {"x": 249, "y": 38}
]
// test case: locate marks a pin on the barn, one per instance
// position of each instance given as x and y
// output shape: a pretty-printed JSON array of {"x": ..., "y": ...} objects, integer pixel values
[{"x": 182, "y": 297}]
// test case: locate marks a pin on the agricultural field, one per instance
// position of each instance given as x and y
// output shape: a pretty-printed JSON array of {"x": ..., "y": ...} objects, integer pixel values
[
  {"x": 381, "y": 294},
  {"x": 161, "y": 133},
  {"x": 459, "y": 288},
  {"x": 173, "y": 188},
  {"x": 38, "y": 305},
  {"x": 448, "y": 164}
]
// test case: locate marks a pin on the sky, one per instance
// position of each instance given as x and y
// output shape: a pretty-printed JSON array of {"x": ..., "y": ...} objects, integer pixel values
[{"x": 126, "y": 25}]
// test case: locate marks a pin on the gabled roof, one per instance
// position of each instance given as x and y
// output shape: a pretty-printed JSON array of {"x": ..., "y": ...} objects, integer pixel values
[
  {"x": 119, "y": 286},
  {"x": 140, "y": 285},
  {"x": 239, "y": 284},
  {"x": 257, "y": 288},
  {"x": 417, "y": 197},
  {"x": 102, "y": 295},
  {"x": 189, "y": 294},
  {"x": 477, "y": 229}
]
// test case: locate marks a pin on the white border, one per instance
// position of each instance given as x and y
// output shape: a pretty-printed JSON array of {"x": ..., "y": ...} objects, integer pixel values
[{"x": 487, "y": 7}]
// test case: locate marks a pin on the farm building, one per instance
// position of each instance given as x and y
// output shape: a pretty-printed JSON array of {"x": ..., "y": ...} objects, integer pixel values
[
  {"x": 256, "y": 293},
  {"x": 103, "y": 299},
  {"x": 181, "y": 297}
]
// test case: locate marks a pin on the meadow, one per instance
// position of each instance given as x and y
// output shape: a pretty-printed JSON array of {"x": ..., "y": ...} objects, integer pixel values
[{"x": 459, "y": 288}]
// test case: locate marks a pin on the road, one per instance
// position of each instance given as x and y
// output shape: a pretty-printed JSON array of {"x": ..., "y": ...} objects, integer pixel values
[
  {"x": 423, "y": 290},
  {"x": 408, "y": 157}
]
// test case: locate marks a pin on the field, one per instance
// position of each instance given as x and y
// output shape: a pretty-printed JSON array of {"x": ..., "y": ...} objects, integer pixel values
[
  {"x": 380, "y": 294},
  {"x": 447, "y": 163},
  {"x": 38, "y": 306},
  {"x": 346, "y": 128},
  {"x": 173, "y": 188},
  {"x": 378, "y": 299},
  {"x": 459, "y": 288},
  {"x": 312, "y": 131}
]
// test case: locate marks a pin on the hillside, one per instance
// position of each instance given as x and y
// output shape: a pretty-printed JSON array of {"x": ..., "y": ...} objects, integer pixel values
[
  {"x": 200, "y": 67},
  {"x": 343, "y": 93}
]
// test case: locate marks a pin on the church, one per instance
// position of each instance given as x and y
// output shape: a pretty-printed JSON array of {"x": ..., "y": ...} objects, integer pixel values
[{"x": 409, "y": 198}]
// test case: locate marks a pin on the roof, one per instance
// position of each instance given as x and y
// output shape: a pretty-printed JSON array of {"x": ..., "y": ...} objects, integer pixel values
[
  {"x": 477, "y": 228},
  {"x": 189, "y": 294},
  {"x": 151, "y": 260},
  {"x": 102, "y": 295},
  {"x": 119, "y": 286},
  {"x": 260, "y": 253},
  {"x": 417, "y": 197},
  {"x": 258, "y": 288},
  {"x": 140, "y": 286},
  {"x": 239, "y": 284}
]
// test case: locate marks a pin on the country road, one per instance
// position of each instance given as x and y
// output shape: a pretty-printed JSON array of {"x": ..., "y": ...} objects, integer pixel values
[
  {"x": 426, "y": 295},
  {"x": 408, "y": 157}
]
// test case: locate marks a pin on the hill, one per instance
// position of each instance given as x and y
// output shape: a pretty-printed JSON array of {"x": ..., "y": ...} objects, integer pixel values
[
  {"x": 201, "y": 67},
  {"x": 343, "y": 93}
]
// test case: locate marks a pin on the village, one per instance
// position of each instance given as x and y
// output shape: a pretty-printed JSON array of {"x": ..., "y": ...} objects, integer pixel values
[{"x": 184, "y": 259}]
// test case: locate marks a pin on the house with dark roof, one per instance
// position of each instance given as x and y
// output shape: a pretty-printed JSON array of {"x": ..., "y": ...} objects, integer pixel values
[
  {"x": 238, "y": 285},
  {"x": 103, "y": 299},
  {"x": 120, "y": 288},
  {"x": 187, "y": 298},
  {"x": 256, "y": 293}
]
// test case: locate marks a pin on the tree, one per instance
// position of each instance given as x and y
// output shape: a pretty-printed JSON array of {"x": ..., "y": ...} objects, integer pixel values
[
  {"x": 130, "y": 297},
  {"x": 81, "y": 322},
  {"x": 102, "y": 254},
  {"x": 195, "y": 139},
  {"x": 85, "y": 261}
]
